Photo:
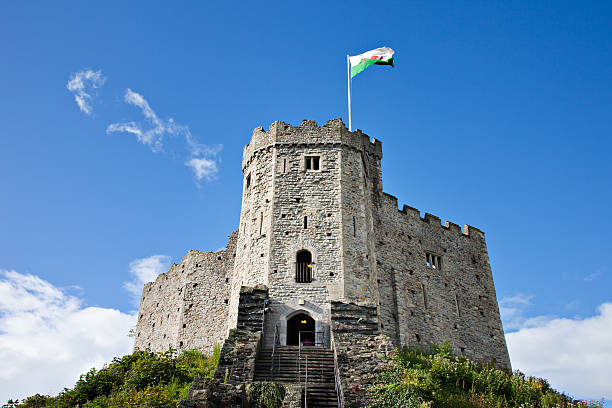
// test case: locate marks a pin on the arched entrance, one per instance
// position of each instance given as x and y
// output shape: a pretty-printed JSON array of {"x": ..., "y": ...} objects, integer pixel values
[{"x": 304, "y": 324}]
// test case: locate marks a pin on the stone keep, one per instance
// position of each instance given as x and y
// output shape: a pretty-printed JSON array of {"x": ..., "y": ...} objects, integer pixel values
[{"x": 316, "y": 227}]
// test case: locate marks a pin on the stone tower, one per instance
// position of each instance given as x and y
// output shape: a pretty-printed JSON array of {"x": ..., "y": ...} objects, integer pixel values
[
  {"x": 306, "y": 225},
  {"x": 317, "y": 230}
]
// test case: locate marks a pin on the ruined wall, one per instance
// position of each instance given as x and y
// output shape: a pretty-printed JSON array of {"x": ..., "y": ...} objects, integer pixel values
[
  {"x": 187, "y": 307},
  {"x": 421, "y": 305},
  {"x": 160, "y": 309}
]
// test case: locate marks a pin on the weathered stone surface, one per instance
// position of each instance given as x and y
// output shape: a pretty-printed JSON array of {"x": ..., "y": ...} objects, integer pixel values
[
  {"x": 365, "y": 253},
  {"x": 187, "y": 307},
  {"x": 237, "y": 360}
]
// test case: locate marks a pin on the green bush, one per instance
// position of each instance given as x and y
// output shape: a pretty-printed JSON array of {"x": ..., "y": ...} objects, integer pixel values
[
  {"x": 435, "y": 378},
  {"x": 266, "y": 394},
  {"x": 141, "y": 379}
]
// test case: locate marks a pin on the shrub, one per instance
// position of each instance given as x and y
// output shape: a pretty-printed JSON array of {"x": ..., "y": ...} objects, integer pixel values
[
  {"x": 266, "y": 394},
  {"x": 436, "y": 378},
  {"x": 141, "y": 379}
]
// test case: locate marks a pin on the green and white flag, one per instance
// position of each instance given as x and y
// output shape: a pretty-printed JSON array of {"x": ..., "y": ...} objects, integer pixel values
[{"x": 379, "y": 56}]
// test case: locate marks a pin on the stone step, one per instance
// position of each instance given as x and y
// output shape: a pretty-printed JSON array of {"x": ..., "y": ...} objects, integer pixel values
[
  {"x": 311, "y": 363},
  {"x": 322, "y": 395}
]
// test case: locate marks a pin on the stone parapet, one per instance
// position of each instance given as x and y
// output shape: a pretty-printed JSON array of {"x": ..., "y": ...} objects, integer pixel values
[
  {"x": 360, "y": 350},
  {"x": 333, "y": 132}
]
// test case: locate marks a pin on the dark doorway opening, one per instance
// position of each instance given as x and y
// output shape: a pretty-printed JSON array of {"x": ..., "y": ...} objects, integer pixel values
[
  {"x": 304, "y": 324},
  {"x": 303, "y": 267}
]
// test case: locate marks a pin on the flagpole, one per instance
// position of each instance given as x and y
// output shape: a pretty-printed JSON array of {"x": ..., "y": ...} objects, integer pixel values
[{"x": 348, "y": 77}]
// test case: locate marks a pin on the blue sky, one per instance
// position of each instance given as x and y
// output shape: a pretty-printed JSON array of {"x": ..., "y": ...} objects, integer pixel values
[{"x": 496, "y": 114}]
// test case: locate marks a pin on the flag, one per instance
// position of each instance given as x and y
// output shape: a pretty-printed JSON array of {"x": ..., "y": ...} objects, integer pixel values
[{"x": 379, "y": 56}]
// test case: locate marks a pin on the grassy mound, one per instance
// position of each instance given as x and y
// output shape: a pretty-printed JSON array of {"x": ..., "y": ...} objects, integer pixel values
[
  {"x": 437, "y": 379},
  {"x": 139, "y": 380}
]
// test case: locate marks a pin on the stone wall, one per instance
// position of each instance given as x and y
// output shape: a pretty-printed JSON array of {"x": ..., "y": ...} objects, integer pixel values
[
  {"x": 237, "y": 359},
  {"x": 327, "y": 211},
  {"x": 361, "y": 351},
  {"x": 421, "y": 305},
  {"x": 364, "y": 250},
  {"x": 187, "y": 307}
]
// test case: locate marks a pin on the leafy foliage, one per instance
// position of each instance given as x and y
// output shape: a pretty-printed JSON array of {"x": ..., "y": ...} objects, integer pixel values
[
  {"x": 142, "y": 379},
  {"x": 266, "y": 394},
  {"x": 435, "y": 378}
]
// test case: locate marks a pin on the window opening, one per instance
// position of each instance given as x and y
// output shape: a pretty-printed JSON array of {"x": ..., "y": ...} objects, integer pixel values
[
  {"x": 433, "y": 261},
  {"x": 424, "y": 295},
  {"x": 260, "y": 222},
  {"x": 248, "y": 181},
  {"x": 284, "y": 165},
  {"x": 305, "y": 222},
  {"x": 312, "y": 163},
  {"x": 354, "y": 227},
  {"x": 303, "y": 267},
  {"x": 457, "y": 305}
]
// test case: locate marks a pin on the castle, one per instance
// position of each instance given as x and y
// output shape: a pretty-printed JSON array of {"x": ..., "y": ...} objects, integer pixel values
[{"x": 317, "y": 230}]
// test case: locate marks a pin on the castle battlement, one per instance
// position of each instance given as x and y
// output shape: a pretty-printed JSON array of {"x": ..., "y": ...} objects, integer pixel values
[
  {"x": 333, "y": 133},
  {"x": 435, "y": 221}
]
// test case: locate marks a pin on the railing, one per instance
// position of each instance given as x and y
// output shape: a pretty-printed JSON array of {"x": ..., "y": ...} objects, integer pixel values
[
  {"x": 303, "y": 272},
  {"x": 263, "y": 317},
  {"x": 306, "y": 386},
  {"x": 319, "y": 337},
  {"x": 316, "y": 344},
  {"x": 276, "y": 341},
  {"x": 337, "y": 381}
]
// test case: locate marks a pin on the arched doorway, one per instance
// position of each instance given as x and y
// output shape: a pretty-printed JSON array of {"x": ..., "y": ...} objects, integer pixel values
[
  {"x": 304, "y": 324},
  {"x": 303, "y": 267}
]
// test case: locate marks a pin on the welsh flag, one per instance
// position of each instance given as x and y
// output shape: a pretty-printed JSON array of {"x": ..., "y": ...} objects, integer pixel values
[{"x": 379, "y": 56}]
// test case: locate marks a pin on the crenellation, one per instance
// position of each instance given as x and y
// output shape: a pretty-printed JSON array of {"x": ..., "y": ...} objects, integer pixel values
[{"x": 432, "y": 219}]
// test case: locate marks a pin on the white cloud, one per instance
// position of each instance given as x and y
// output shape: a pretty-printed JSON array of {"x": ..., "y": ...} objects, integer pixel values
[
  {"x": 575, "y": 355},
  {"x": 82, "y": 85},
  {"x": 513, "y": 311},
  {"x": 48, "y": 338},
  {"x": 154, "y": 135},
  {"x": 145, "y": 270},
  {"x": 202, "y": 168},
  {"x": 203, "y": 160}
]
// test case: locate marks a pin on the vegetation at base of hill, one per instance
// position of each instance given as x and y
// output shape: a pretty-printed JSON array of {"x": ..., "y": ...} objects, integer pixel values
[
  {"x": 140, "y": 380},
  {"x": 436, "y": 379}
]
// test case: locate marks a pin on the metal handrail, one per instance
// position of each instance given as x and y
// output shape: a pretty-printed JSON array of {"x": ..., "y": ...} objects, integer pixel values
[
  {"x": 276, "y": 338},
  {"x": 316, "y": 343},
  {"x": 306, "y": 386},
  {"x": 337, "y": 381}
]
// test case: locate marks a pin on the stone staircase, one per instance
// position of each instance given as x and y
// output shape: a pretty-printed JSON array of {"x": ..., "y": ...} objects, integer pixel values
[{"x": 289, "y": 369}]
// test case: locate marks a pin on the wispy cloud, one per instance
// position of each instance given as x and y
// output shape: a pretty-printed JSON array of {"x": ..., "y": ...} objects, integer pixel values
[
  {"x": 513, "y": 310},
  {"x": 202, "y": 159},
  {"x": 575, "y": 355},
  {"x": 83, "y": 85},
  {"x": 592, "y": 276},
  {"x": 145, "y": 270},
  {"x": 48, "y": 338}
]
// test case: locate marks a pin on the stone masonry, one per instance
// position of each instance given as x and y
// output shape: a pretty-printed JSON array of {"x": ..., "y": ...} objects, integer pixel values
[{"x": 317, "y": 190}]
